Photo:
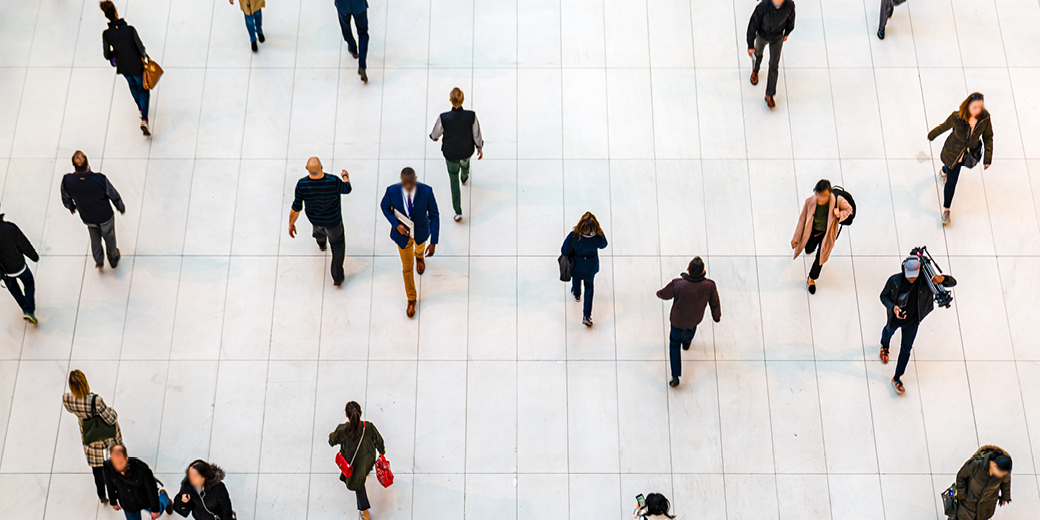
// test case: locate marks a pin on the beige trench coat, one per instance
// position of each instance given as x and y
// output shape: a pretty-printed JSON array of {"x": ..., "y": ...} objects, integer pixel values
[
  {"x": 251, "y": 6},
  {"x": 803, "y": 230}
]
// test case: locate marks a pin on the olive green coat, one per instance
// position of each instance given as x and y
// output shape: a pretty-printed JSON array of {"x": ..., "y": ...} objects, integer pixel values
[
  {"x": 371, "y": 443},
  {"x": 977, "y": 491},
  {"x": 959, "y": 140}
]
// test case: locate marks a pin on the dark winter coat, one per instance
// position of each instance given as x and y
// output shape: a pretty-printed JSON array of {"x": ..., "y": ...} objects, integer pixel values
[
  {"x": 122, "y": 43},
  {"x": 133, "y": 490},
  {"x": 366, "y": 447},
  {"x": 213, "y": 503},
  {"x": 90, "y": 193},
  {"x": 977, "y": 491},
  {"x": 959, "y": 140},
  {"x": 14, "y": 247},
  {"x": 770, "y": 22},
  {"x": 898, "y": 284},
  {"x": 586, "y": 254},
  {"x": 690, "y": 295}
]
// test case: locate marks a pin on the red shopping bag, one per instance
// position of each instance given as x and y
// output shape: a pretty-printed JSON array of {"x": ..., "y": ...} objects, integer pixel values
[{"x": 383, "y": 473}]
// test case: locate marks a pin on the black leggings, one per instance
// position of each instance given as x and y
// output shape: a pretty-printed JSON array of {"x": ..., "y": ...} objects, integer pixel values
[
  {"x": 99, "y": 481},
  {"x": 952, "y": 174},
  {"x": 815, "y": 244},
  {"x": 362, "y": 499}
]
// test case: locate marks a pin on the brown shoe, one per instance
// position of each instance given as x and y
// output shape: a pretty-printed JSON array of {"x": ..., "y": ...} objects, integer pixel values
[
  {"x": 754, "y": 78},
  {"x": 411, "y": 309},
  {"x": 363, "y": 74},
  {"x": 769, "y": 102},
  {"x": 420, "y": 265},
  {"x": 352, "y": 53}
]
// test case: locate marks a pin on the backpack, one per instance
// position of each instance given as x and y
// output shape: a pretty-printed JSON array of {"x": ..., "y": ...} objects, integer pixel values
[{"x": 838, "y": 190}]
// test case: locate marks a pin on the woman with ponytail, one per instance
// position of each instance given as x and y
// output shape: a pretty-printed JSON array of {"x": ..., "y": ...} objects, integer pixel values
[{"x": 359, "y": 442}]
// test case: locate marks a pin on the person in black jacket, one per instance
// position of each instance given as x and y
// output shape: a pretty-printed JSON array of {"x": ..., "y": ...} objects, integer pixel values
[
  {"x": 908, "y": 300},
  {"x": 771, "y": 23},
  {"x": 461, "y": 132},
  {"x": 93, "y": 196},
  {"x": 972, "y": 130},
  {"x": 14, "y": 248},
  {"x": 132, "y": 487},
  {"x": 887, "y": 8},
  {"x": 124, "y": 50},
  {"x": 203, "y": 493}
]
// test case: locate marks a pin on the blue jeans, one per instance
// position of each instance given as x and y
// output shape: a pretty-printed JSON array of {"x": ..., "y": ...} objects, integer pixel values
[
  {"x": 136, "y": 515},
  {"x": 361, "y": 22},
  {"x": 27, "y": 301},
  {"x": 589, "y": 292},
  {"x": 140, "y": 94},
  {"x": 254, "y": 23},
  {"x": 905, "y": 345},
  {"x": 677, "y": 338}
]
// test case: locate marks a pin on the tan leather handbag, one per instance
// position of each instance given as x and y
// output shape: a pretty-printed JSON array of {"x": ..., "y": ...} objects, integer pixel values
[{"x": 152, "y": 73}]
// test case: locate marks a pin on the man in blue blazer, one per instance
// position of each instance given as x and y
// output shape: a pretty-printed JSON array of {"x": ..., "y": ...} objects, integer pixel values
[
  {"x": 414, "y": 201},
  {"x": 358, "y": 49}
]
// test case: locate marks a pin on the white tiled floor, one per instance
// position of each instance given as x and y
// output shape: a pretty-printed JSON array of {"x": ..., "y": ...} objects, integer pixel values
[{"x": 220, "y": 338}]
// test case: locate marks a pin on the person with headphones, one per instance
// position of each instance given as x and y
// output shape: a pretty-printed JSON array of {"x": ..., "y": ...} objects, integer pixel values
[{"x": 908, "y": 299}]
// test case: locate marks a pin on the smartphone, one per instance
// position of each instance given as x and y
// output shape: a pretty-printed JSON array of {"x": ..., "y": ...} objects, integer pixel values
[{"x": 641, "y": 500}]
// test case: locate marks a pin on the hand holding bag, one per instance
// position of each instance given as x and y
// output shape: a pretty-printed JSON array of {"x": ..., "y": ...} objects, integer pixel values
[
  {"x": 383, "y": 473},
  {"x": 152, "y": 73},
  {"x": 95, "y": 428},
  {"x": 348, "y": 467}
]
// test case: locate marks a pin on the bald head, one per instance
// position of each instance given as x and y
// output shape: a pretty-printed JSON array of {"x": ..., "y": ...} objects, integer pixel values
[{"x": 314, "y": 166}]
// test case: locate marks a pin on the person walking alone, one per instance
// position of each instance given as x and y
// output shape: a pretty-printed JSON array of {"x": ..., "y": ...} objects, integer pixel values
[
  {"x": 771, "y": 23},
  {"x": 358, "y": 10},
  {"x": 319, "y": 194},
  {"x": 254, "y": 20},
  {"x": 461, "y": 131},
  {"x": 411, "y": 209},
  {"x": 818, "y": 227},
  {"x": 583, "y": 244},
  {"x": 887, "y": 8},
  {"x": 132, "y": 486},
  {"x": 359, "y": 442},
  {"x": 88, "y": 406},
  {"x": 93, "y": 196},
  {"x": 14, "y": 248},
  {"x": 124, "y": 50},
  {"x": 657, "y": 508},
  {"x": 983, "y": 482},
  {"x": 203, "y": 493},
  {"x": 971, "y": 129},
  {"x": 690, "y": 294}
]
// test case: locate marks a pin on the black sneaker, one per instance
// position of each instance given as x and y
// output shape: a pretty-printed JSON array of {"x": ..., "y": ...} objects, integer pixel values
[
  {"x": 674, "y": 382},
  {"x": 260, "y": 36},
  {"x": 253, "y": 45},
  {"x": 586, "y": 321},
  {"x": 322, "y": 247},
  {"x": 811, "y": 287},
  {"x": 116, "y": 263},
  {"x": 881, "y": 34}
]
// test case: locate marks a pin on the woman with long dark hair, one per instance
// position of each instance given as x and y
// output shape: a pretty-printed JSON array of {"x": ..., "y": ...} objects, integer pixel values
[
  {"x": 359, "y": 442},
  {"x": 203, "y": 493},
  {"x": 972, "y": 128},
  {"x": 583, "y": 245},
  {"x": 124, "y": 50},
  {"x": 657, "y": 508}
]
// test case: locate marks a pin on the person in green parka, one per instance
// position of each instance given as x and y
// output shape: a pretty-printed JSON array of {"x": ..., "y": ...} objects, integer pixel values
[
  {"x": 358, "y": 441},
  {"x": 983, "y": 483}
]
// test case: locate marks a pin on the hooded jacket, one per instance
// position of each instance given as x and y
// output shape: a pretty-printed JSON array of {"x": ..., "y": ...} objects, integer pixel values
[
  {"x": 212, "y": 503},
  {"x": 898, "y": 285},
  {"x": 962, "y": 138},
  {"x": 690, "y": 295},
  {"x": 134, "y": 489},
  {"x": 977, "y": 491},
  {"x": 14, "y": 247}
]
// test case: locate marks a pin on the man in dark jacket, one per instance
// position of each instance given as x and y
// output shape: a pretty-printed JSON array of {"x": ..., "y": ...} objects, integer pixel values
[
  {"x": 690, "y": 294},
  {"x": 358, "y": 9},
  {"x": 93, "y": 196},
  {"x": 461, "y": 132},
  {"x": 982, "y": 483},
  {"x": 771, "y": 23},
  {"x": 14, "y": 248},
  {"x": 132, "y": 487},
  {"x": 908, "y": 299}
]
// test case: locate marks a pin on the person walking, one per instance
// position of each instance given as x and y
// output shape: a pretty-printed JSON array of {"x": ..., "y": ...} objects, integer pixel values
[
  {"x": 887, "y": 8},
  {"x": 93, "y": 196},
  {"x": 818, "y": 227},
  {"x": 254, "y": 20},
  {"x": 358, "y": 10},
  {"x": 124, "y": 50},
  {"x": 907, "y": 299},
  {"x": 983, "y": 482},
  {"x": 203, "y": 493},
  {"x": 657, "y": 508},
  {"x": 132, "y": 487},
  {"x": 971, "y": 129},
  {"x": 319, "y": 194},
  {"x": 461, "y": 131},
  {"x": 14, "y": 249},
  {"x": 411, "y": 209},
  {"x": 690, "y": 294},
  {"x": 359, "y": 442},
  {"x": 89, "y": 407},
  {"x": 583, "y": 244},
  {"x": 771, "y": 23}
]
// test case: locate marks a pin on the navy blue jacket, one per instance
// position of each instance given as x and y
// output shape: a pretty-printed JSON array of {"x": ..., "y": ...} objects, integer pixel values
[
  {"x": 586, "y": 254},
  {"x": 351, "y": 6},
  {"x": 92, "y": 195},
  {"x": 425, "y": 215}
]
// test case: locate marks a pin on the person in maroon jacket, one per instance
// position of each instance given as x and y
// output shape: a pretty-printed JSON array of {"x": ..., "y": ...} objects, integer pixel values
[{"x": 690, "y": 294}]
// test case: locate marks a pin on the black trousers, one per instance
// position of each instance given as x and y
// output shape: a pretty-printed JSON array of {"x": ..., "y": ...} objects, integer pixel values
[
  {"x": 815, "y": 240},
  {"x": 362, "y": 499},
  {"x": 334, "y": 237},
  {"x": 99, "y": 481},
  {"x": 952, "y": 174}
]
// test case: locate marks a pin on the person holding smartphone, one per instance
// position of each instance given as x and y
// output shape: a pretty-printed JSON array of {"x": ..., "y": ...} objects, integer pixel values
[{"x": 654, "y": 507}]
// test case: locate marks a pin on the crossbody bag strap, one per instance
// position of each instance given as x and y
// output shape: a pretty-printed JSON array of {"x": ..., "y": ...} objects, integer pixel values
[
  {"x": 93, "y": 406},
  {"x": 362, "y": 439}
]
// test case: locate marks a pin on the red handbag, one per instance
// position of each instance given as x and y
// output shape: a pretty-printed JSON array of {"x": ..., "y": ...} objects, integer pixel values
[
  {"x": 348, "y": 467},
  {"x": 383, "y": 473}
]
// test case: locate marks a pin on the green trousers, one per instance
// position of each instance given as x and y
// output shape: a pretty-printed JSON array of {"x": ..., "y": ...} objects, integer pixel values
[{"x": 453, "y": 174}]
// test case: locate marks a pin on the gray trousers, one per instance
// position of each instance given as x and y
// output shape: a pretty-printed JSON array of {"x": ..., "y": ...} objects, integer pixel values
[
  {"x": 774, "y": 61},
  {"x": 105, "y": 231}
]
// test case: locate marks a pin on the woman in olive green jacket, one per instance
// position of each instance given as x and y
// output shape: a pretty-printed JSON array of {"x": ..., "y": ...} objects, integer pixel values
[
  {"x": 983, "y": 483},
  {"x": 358, "y": 441},
  {"x": 970, "y": 124}
]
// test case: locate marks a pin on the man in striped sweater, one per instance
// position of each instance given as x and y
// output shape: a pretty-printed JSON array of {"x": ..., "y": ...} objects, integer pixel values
[{"x": 319, "y": 194}]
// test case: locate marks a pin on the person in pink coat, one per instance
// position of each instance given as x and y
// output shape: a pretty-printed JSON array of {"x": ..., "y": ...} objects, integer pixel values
[{"x": 818, "y": 227}]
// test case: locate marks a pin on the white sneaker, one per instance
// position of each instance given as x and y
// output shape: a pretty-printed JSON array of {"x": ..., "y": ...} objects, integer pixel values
[
  {"x": 946, "y": 217},
  {"x": 942, "y": 173}
]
